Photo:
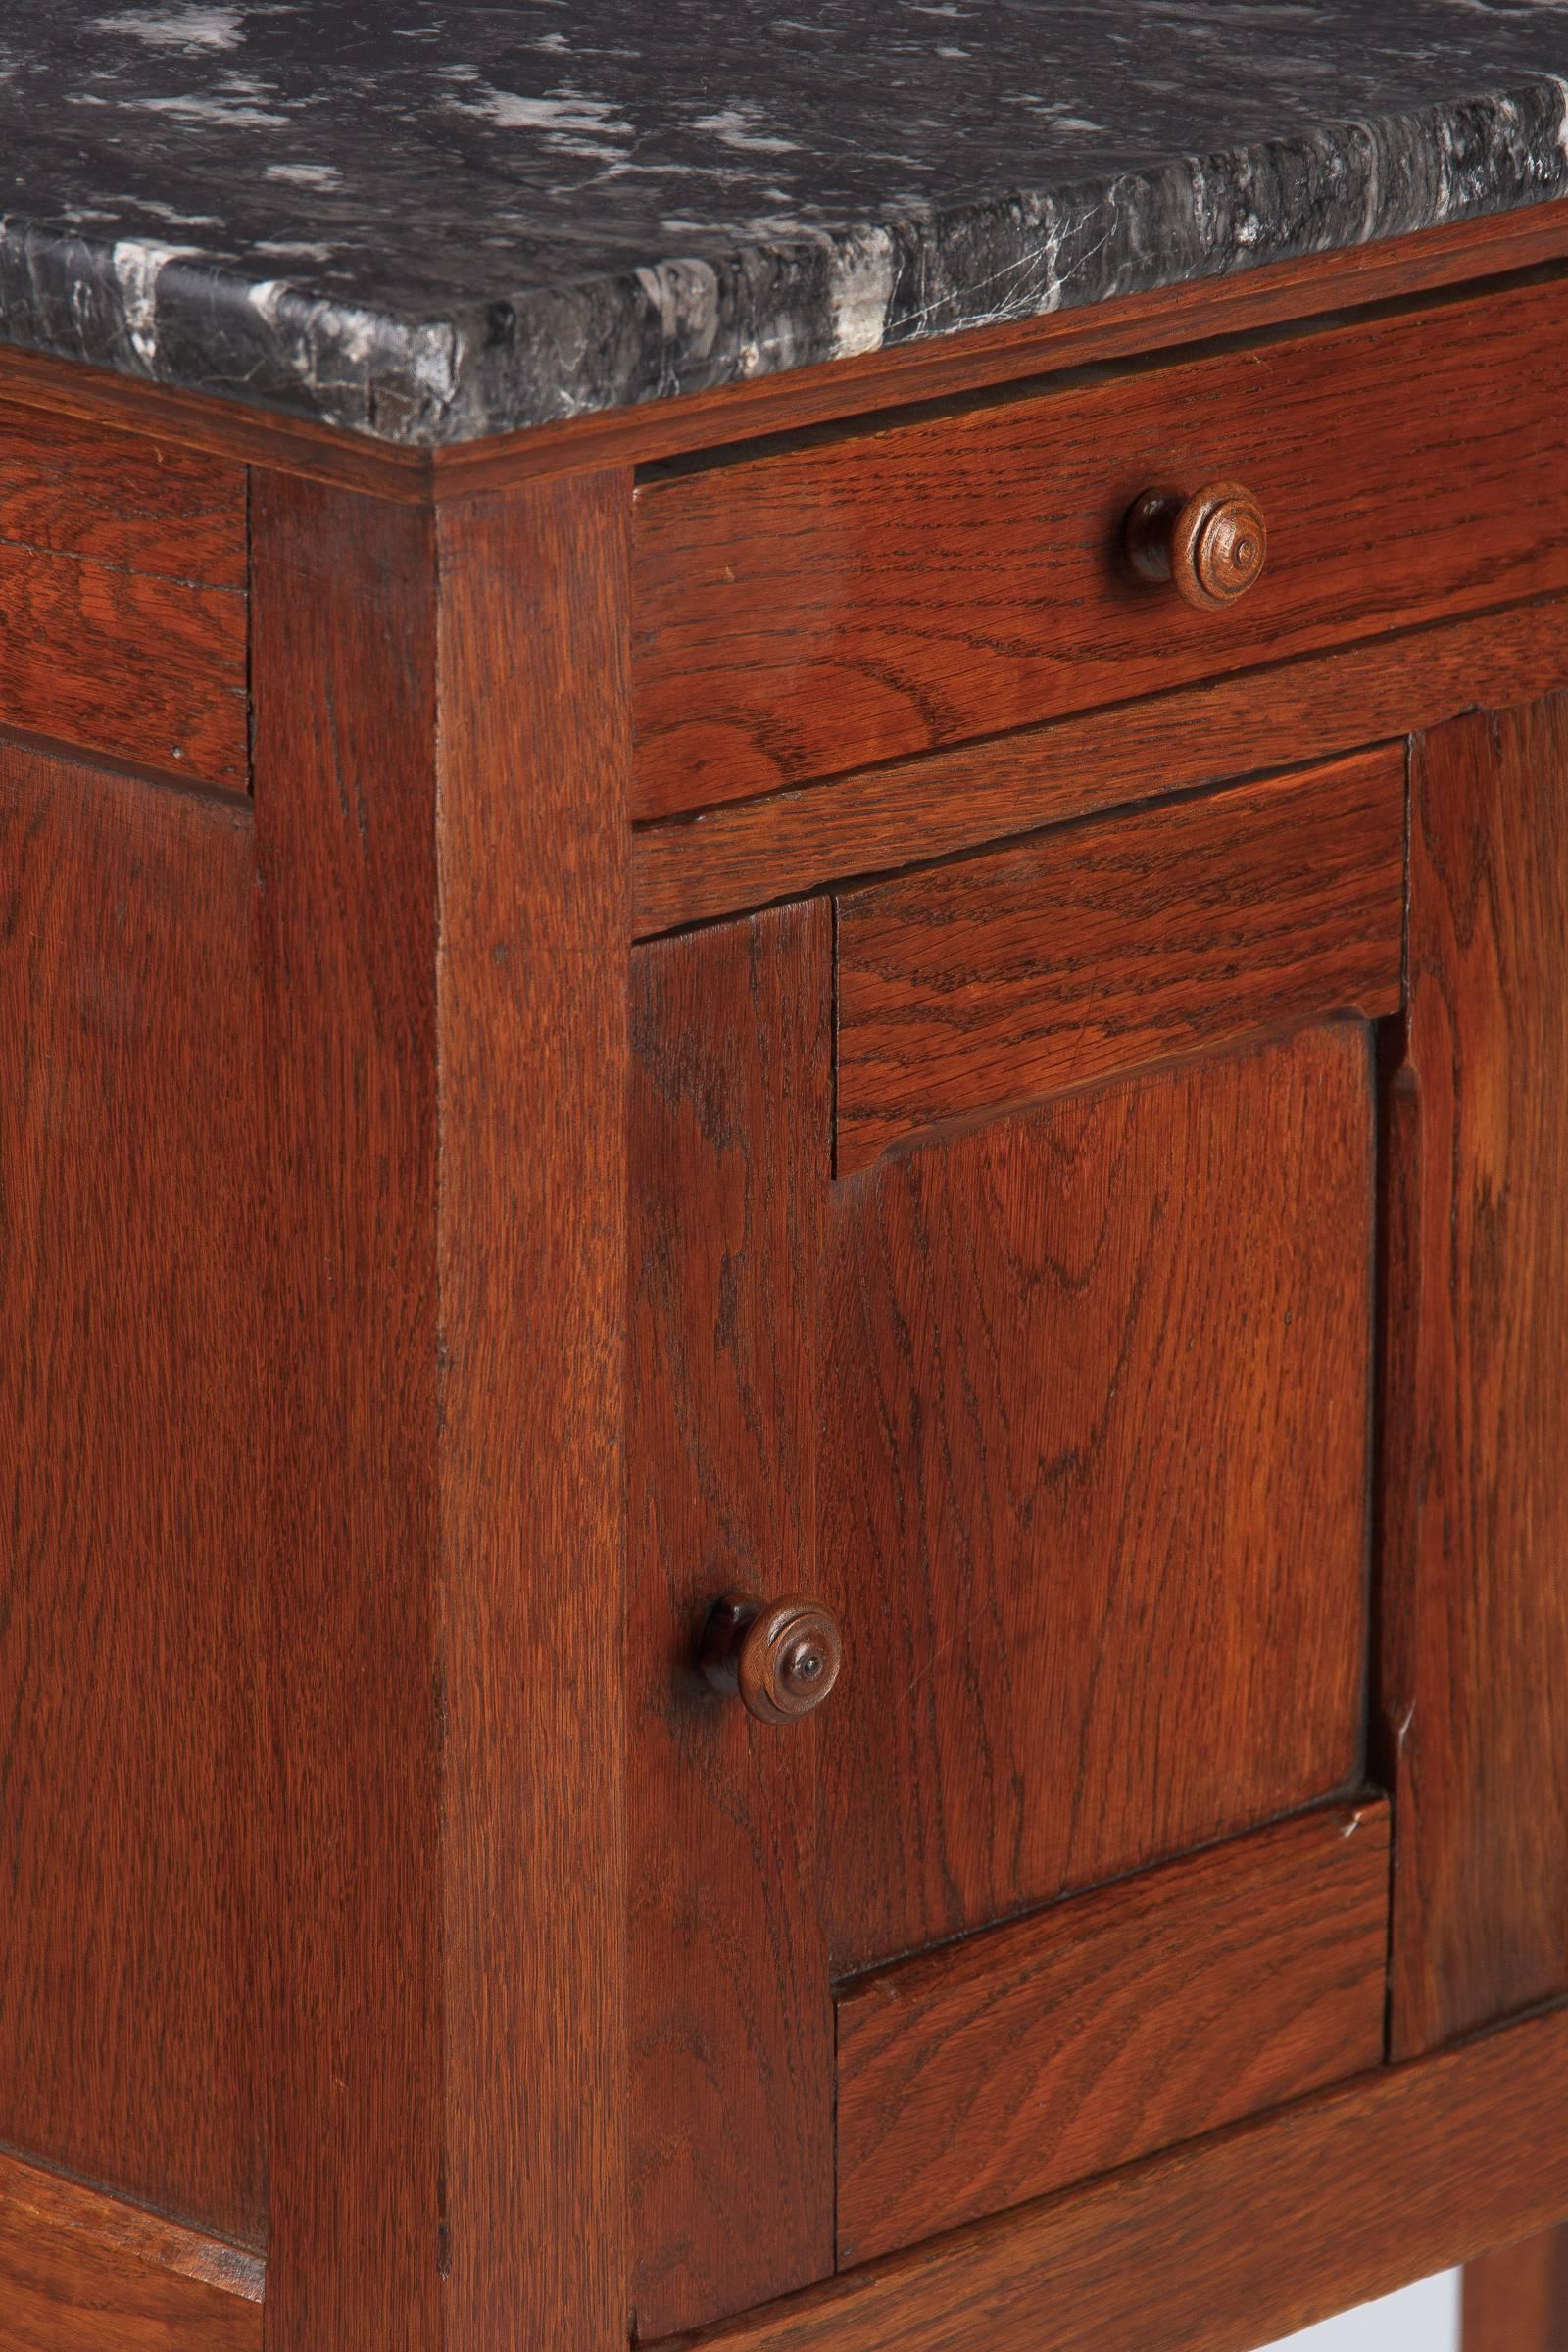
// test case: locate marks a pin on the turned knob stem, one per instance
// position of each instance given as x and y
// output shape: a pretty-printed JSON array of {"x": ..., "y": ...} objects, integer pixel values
[
  {"x": 1212, "y": 546},
  {"x": 781, "y": 1656}
]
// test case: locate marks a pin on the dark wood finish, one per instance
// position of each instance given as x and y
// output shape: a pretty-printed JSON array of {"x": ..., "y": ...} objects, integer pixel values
[
  {"x": 123, "y": 596},
  {"x": 732, "y": 2022},
  {"x": 443, "y": 1034},
  {"x": 1093, "y": 1487},
  {"x": 690, "y": 869},
  {"x": 130, "y": 1754},
  {"x": 1515, "y": 2298},
  {"x": 875, "y": 595},
  {"x": 1474, "y": 1598},
  {"x": 81, "y": 2272},
  {"x": 779, "y": 1658},
  {"x": 343, "y": 595},
  {"x": 1093, "y": 949},
  {"x": 1043, "y": 2052},
  {"x": 533, "y": 1027},
  {"x": 1234, "y": 2241},
  {"x": 1211, "y": 547}
]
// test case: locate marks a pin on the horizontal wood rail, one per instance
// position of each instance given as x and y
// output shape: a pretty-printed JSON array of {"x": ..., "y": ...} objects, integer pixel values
[
  {"x": 81, "y": 2272},
  {"x": 1232, "y": 2240},
  {"x": 748, "y": 854}
]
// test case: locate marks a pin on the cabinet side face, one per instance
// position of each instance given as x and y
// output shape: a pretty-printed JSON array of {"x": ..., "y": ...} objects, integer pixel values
[
  {"x": 1475, "y": 1421},
  {"x": 131, "y": 1845}
]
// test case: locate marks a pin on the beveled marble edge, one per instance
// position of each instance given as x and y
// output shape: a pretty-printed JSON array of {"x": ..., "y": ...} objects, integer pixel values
[{"x": 684, "y": 326}]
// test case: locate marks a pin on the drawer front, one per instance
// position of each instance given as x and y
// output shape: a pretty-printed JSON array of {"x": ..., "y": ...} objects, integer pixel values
[
  {"x": 1058, "y": 1399},
  {"x": 855, "y": 600},
  {"x": 1061, "y": 2045},
  {"x": 123, "y": 596}
]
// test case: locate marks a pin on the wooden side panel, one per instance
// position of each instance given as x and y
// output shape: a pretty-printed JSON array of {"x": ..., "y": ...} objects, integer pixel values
[
  {"x": 1237, "y": 2239},
  {"x": 1043, "y": 2052},
  {"x": 534, "y": 762},
  {"x": 131, "y": 1837},
  {"x": 866, "y": 597},
  {"x": 732, "y": 2050},
  {"x": 1099, "y": 948},
  {"x": 1475, "y": 1598},
  {"x": 79, "y": 2272},
  {"x": 345, "y": 730},
  {"x": 123, "y": 570},
  {"x": 1516, "y": 2298},
  {"x": 1092, "y": 1494}
]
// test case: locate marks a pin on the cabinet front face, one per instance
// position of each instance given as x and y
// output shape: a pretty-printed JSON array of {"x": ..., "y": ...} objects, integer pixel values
[{"x": 1003, "y": 1279}]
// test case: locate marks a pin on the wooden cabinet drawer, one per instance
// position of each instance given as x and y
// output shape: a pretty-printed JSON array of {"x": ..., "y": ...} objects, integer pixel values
[
  {"x": 854, "y": 599},
  {"x": 123, "y": 596},
  {"x": 1047, "y": 1367}
]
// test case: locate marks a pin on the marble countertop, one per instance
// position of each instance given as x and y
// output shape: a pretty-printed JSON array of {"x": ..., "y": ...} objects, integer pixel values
[{"x": 427, "y": 221}]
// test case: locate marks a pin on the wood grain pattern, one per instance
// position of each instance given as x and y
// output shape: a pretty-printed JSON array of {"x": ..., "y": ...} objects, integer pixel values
[
  {"x": 742, "y": 853},
  {"x": 1093, "y": 1487},
  {"x": 1162, "y": 2006},
  {"x": 1474, "y": 1600},
  {"x": 123, "y": 596},
  {"x": 1515, "y": 2299},
  {"x": 732, "y": 2024},
  {"x": 1085, "y": 951},
  {"x": 343, "y": 592},
  {"x": 81, "y": 2273},
  {"x": 1234, "y": 2241},
  {"x": 532, "y": 1021},
  {"x": 880, "y": 594},
  {"x": 132, "y": 1844}
]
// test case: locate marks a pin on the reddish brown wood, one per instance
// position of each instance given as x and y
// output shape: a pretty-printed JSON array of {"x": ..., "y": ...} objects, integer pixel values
[
  {"x": 343, "y": 591},
  {"x": 1236, "y": 2239},
  {"x": 81, "y": 2272},
  {"x": 1475, "y": 1603},
  {"x": 971, "y": 988},
  {"x": 1516, "y": 2298},
  {"x": 123, "y": 595},
  {"x": 1159, "y": 2007},
  {"x": 130, "y": 1827},
  {"x": 534, "y": 765},
  {"x": 1092, "y": 1488},
  {"x": 732, "y": 2048},
  {"x": 879, "y": 594},
  {"x": 688, "y": 869}
]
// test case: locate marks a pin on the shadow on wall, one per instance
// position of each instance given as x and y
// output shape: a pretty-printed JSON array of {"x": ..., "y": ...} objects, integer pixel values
[{"x": 1423, "y": 2319}]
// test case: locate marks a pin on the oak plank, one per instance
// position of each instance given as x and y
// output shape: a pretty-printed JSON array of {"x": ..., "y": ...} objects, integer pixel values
[
  {"x": 133, "y": 1836},
  {"x": 1236, "y": 2239},
  {"x": 1063, "y": 2044},
  {"x": 874, "y": 595},
  {"x": 1089, "y": 950},
  {"x": 1092, "y": 1486},
  {"x": 1515, "y": 2299},
  {"x": 80, "y": 2271},
  {"x": 1474, "y": 1600},
  {"x": 742, "y": 853},
  {"x": 533, "y": 764},
  {"x": 732, "y": 2020}
]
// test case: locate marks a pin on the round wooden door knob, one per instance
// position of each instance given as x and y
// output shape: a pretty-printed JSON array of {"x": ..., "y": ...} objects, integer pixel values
[
  {"x": 782, "y": 1656},
  {"x": 1212, "y": 546}
]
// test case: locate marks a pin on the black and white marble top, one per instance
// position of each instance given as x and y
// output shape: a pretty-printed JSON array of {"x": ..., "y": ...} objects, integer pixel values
[{"x": 432, "y": 219}]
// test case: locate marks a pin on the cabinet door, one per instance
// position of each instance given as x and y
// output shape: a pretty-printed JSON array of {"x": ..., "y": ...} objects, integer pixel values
[{"x": 1002, "y": 1276}]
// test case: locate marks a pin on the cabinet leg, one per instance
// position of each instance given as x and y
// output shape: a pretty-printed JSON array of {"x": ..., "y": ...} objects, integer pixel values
[{"x": 1516, "y": 2300}]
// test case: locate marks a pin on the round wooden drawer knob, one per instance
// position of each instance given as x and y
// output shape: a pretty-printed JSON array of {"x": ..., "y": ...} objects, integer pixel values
[
  {"x": 1212, "y": 545},
  {"x": 782, "y": 1656}
]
